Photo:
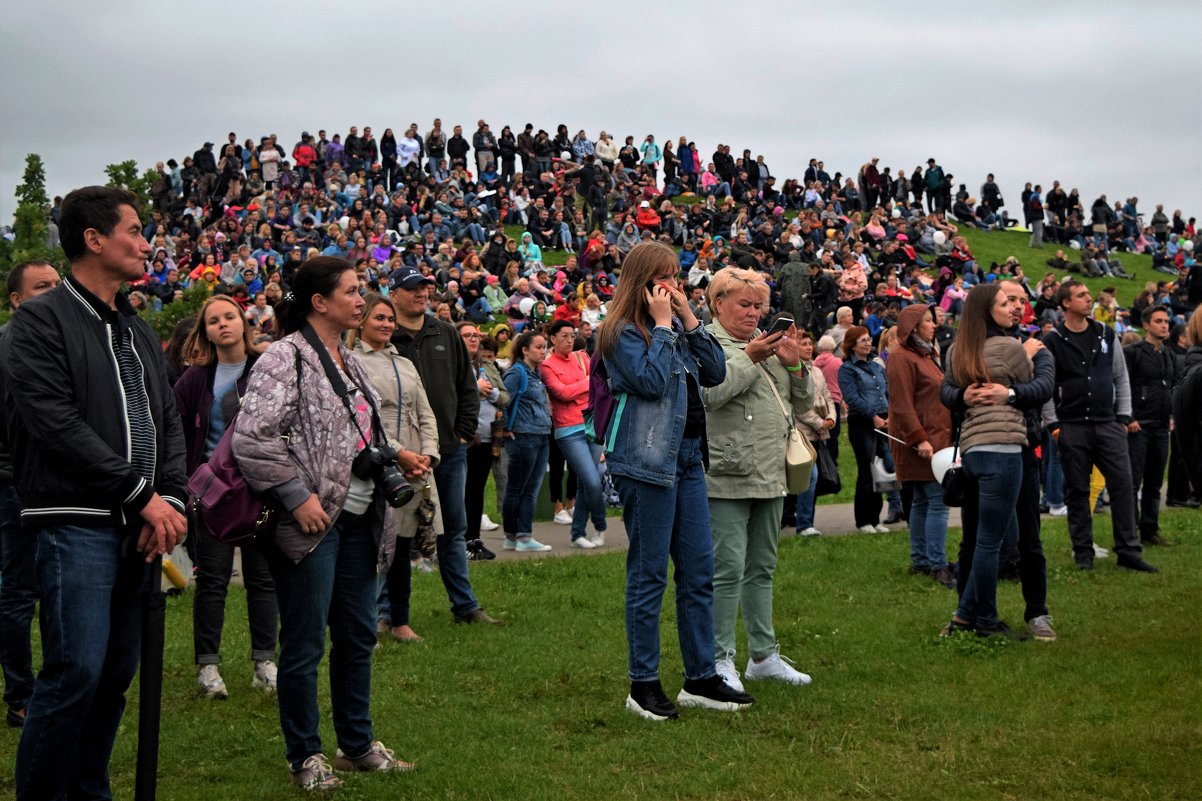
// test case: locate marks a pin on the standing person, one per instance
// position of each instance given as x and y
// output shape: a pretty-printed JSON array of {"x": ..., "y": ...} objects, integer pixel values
[
  {"x": 206, "y": 397},
  {"x": 18, "y": 550},
  {"x": 1153, "y": 370},
  {"x": 748, "y": 431},
  {"x": 991, "y": 440},
  {"x": 651, "y": 155},
  {"x": 94, "y": 425},
  {"x": 485, "y": 454},
  {"x": 1187, "y": 399},
  {"x": 410, "y": 427},
  {"x": 1089, "y": 419},
  {"x": 442, "y": 361},
  {"x": 924, "y": 425},
  {"x": 1029, "y": 398},
  {"x": 866, "y": 395},
  {"x": 327, "y": 547},
  {"x": 528, "y": 423},
  {"x": 566, "y": 377},
  {"x": 659, "y": 357},
  {"x": 817, "y": 423}
]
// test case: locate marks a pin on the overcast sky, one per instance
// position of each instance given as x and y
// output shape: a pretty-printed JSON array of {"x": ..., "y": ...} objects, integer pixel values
[{"x": 1103, "y": 96}]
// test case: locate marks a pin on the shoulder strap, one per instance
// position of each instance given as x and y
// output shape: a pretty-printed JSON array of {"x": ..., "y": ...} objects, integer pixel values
[
  {"x": 339, "y": 386},
  {"x": 772, "y": 383}
]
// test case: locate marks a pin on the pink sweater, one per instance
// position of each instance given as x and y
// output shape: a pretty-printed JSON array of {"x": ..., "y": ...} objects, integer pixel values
[{"x": 566, "y": 380}]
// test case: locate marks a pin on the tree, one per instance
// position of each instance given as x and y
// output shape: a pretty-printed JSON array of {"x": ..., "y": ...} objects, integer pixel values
[
  {"x": 125, "y": 176},
  {"x": 31, "y": 221}
]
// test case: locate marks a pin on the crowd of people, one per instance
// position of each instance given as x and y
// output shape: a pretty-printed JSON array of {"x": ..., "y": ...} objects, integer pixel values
[{"x": 700, "y": 314}]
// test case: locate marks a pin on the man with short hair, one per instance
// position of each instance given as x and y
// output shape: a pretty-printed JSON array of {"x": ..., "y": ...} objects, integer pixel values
[
  {"x": 446, "y": 369},
  {"x": 101, "y": 453},
  {"x": 1153, "y": 372},
  {"x": 1088, "y": 420}
]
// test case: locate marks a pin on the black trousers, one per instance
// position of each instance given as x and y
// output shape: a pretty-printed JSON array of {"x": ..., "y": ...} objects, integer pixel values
[
  {"x": 400, "y": 582},
  {"x": 1032, "y": 565},
  {"x": 1148, "y": 449},
  {"x": 865, "y": 444},
  {"x": 214, "y": 566},
  {"x": 479, "y": 464},
  {"x": 1080, "y": 447}
]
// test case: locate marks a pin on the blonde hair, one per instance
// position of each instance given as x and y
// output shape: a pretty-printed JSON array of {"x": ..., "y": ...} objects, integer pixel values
[{"x": 734, "y": 279}]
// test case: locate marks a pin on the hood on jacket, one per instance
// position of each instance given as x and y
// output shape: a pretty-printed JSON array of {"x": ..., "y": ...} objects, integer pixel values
[{"x": 909, "y": 318}]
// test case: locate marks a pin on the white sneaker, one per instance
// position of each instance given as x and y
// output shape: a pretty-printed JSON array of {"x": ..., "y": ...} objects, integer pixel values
[
  {"x": 809, "y": 532},
  {"x": 775, "y": 667},
  {"x": 486, "y": 524},
  {"x": 1058, "y": 511},
  {"x": 583, "y": 542},
  {"x": 211, "y": 683},
  {"x": 265, "y": 676},
  {"x": 867, "y": 529},
  {"x": 1099, "y": 552},
  {"x": 729, "y": 673},
  {"x": 530, "y": 545},
  {"x": 881, "y": 528},
  {"x": 598, "y": 540},
  {"x": 563, "y": 517}
]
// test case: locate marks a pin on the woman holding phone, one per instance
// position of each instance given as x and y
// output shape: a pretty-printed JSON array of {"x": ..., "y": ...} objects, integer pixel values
[{"x": 659, "y": 358}]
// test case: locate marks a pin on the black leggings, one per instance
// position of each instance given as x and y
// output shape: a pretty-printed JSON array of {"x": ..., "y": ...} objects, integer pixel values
[{"x": 865, "y": 444}]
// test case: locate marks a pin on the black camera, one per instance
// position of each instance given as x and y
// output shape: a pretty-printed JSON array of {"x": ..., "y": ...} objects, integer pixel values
[{"x": 379, "y": 464}]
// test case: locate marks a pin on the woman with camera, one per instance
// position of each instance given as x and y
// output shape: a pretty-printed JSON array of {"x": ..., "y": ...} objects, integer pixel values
[
  {"x": 749, "y": 417},
  {"x": 659, "y": 358},
  {"x": 331, "y": 540},
  {"x": 412, "y": 429},
  {"x": 992, "y": 436},
  {"x": 528, "y": 423},
  {"x": 206, "y": 397}
]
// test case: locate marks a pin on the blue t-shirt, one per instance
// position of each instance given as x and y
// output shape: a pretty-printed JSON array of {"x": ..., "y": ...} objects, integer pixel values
[{"x": 224, "y": 382}]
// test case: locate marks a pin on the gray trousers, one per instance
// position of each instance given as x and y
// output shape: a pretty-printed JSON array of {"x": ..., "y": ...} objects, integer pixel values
[{"x": 1081, "y": 446}]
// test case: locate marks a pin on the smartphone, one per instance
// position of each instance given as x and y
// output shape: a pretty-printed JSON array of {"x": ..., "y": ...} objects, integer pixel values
[
  {"x": 651, "y": 285},
  {"x": 782, "y": 324}
]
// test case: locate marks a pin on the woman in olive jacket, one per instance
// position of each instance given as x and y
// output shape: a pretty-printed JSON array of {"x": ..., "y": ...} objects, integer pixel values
[{"x": 747, "y": 434}]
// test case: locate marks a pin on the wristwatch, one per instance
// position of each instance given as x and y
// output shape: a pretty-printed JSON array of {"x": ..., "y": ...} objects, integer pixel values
[{"x": 1010, "y": 394}]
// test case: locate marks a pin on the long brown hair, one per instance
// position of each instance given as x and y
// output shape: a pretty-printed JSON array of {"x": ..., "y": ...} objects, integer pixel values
[
  {"x": 968, "y": 364},
  {"x": 198, "y": 348},
  {"x": 371, "y": 300},
  {"x": 645, "y": 262}
]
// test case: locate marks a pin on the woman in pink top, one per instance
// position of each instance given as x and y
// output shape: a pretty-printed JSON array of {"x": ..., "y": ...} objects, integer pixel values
[{"x": 565, "y": 373}]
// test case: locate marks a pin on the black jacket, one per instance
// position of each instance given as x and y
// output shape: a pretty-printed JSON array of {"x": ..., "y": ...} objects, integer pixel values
[
  {"x": 446, "y": 370},
  {"x": 1091, "y": 387},
  {"x": 69, "y": 425},
  {"x": 1152, "y": 374}
]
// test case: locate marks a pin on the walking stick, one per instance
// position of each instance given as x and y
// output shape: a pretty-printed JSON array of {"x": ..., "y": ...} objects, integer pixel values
[{"x": 150, "y": 688}]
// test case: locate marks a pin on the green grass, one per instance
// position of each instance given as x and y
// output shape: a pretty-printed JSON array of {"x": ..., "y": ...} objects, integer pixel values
[{"x": 534, "y": 710}]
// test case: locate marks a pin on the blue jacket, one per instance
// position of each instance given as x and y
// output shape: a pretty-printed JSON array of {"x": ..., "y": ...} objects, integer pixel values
[
  {"x": 651, "y": 391},
  {"x": 865, "y": 390},
  {"x": 529, "y": 409}
]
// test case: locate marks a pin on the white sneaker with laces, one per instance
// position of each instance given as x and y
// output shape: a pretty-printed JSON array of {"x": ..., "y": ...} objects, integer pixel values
[
  {"x": 598, "y": 540},
  {"x": 810, "y": 532},
  {"x": 265, "y": 676},
  {"x": 1058, "y": 511},
  {"x": 563, "y": 517},
  {"x": 729, "y": 673},
  {"x": 486, "y": 524},
  {"x": 211, "y": 683},
  {"x": 881, "y": 528},
  {"x": 583, "y": 542},
  {"x": 775, "y": 667},
  {"x": 867, "y": 529}
]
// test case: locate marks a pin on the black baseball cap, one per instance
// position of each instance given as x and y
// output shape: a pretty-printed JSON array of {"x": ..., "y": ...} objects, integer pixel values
[{"x": 409, "y": 278}]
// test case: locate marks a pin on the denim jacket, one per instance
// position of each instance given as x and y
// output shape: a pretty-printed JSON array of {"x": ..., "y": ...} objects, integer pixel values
[
  {"x": 651, "y": 390},
  {"x": 865, "y": 390},
  {"x": 532, "y": 414}
]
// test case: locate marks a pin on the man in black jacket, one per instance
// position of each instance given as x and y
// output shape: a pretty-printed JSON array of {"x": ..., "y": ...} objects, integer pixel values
[
  {"x": 457, "y": 148},
  {"x": 101, "y": 454},
  {"x": 1153, "y": 372}
]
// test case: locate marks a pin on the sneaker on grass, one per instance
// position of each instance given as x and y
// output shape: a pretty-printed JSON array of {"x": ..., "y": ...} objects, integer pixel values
[
  {"x": 211, "y": 683},
  {"x": 315, "y": 775},
  {"x": 713, "y": 693},
  {"x": 377, "y": 759},
  {"x": 265, "y": 676},
  {"x": 809, "y": 532},
  {"x": 648, "y": 701},
  {"x": 729, "y": 673},
  {"x": 1041, "y": 628},
  {"x": 775, "y": 667}
]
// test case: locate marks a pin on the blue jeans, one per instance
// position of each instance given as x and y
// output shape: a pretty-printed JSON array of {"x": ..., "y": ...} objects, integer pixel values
[
  {"x": 584, "y": 458},
  {"x": 450, "y": 477},
  {"x": 1053, "y": 483},
  {"x": 527, "y": 466},
  {"x": 805, "y": 500},
  {"x": 91, "y": 628},
  {"x": 334, "y": 586},
  {"x": 18, "y": 599},
  {"x": 661, "y": 522},
  {"x": 999, "y": 477},
  {"x": 928, "y": 526}
]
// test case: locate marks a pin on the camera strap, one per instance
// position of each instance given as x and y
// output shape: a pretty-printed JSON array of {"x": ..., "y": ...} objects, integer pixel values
[{"x": 340, "y": 388}]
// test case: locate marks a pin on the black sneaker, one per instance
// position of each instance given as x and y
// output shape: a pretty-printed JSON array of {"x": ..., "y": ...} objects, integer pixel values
[
  {"x": 1084, "y": 561},
  {"x": 955, "y": 627},
  {"x": 894, "y": 517},
  {"x": 1000, "y": 629},
  {"x": 648, "y": 701},
  {"x": 713, "y": 693},
  {"x": 1183, "y": 503},
  {"x": 476, "y": 551},
  {"x": 1135, "y": 563},
  {"x": 1155, "y": 539},
  {"x": 15, "y": 717}
]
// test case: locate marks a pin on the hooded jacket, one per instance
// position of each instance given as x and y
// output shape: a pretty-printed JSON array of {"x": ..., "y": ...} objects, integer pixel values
[{"x": 915, "y": 413}]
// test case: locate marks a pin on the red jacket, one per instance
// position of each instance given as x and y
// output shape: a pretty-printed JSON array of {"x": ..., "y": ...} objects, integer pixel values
[
  {"x": 646, "y": 218},
  {"x": 567, "y": 387}
]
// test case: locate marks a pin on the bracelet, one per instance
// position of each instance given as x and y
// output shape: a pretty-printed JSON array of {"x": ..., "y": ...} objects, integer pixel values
[{"x": 794, "y": 368}]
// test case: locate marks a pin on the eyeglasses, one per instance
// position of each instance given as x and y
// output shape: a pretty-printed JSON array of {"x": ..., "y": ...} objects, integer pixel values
[{"x": 470, "y": 336}]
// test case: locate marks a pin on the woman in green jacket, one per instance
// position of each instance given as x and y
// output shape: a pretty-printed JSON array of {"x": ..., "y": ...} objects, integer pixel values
[{"x": 748, "y": 432}]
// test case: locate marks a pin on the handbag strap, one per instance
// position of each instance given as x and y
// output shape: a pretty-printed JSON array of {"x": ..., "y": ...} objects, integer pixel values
[{"x": 772, "y": 383}]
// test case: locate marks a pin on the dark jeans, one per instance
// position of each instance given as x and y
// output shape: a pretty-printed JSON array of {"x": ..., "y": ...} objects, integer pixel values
[
  {"x": 215, "y": 563},
  {"x": 865, "y": 443},
  {"x": 527, "y": 465},
  {"x": 1081, "y": 446},
  {"x": 556, "y": 462},
  {"x": 1032, "y": 565},
  {"x": 1179, "y": 489},
  {"x": 1148, "y": 449},
  {"x": 479, "y": 463},
  {"x": 450, "y": 477},
  {"x": 998, "y": 477},
  {"x": 18, "y": 599},
  {"x": 334, "y": 586},
  {"x": 91, "y": 623},
  {"x": 392, "y": 604}
]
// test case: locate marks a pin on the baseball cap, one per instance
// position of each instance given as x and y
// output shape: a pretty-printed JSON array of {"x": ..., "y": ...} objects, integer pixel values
[{"x": 408, "y": 277}]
